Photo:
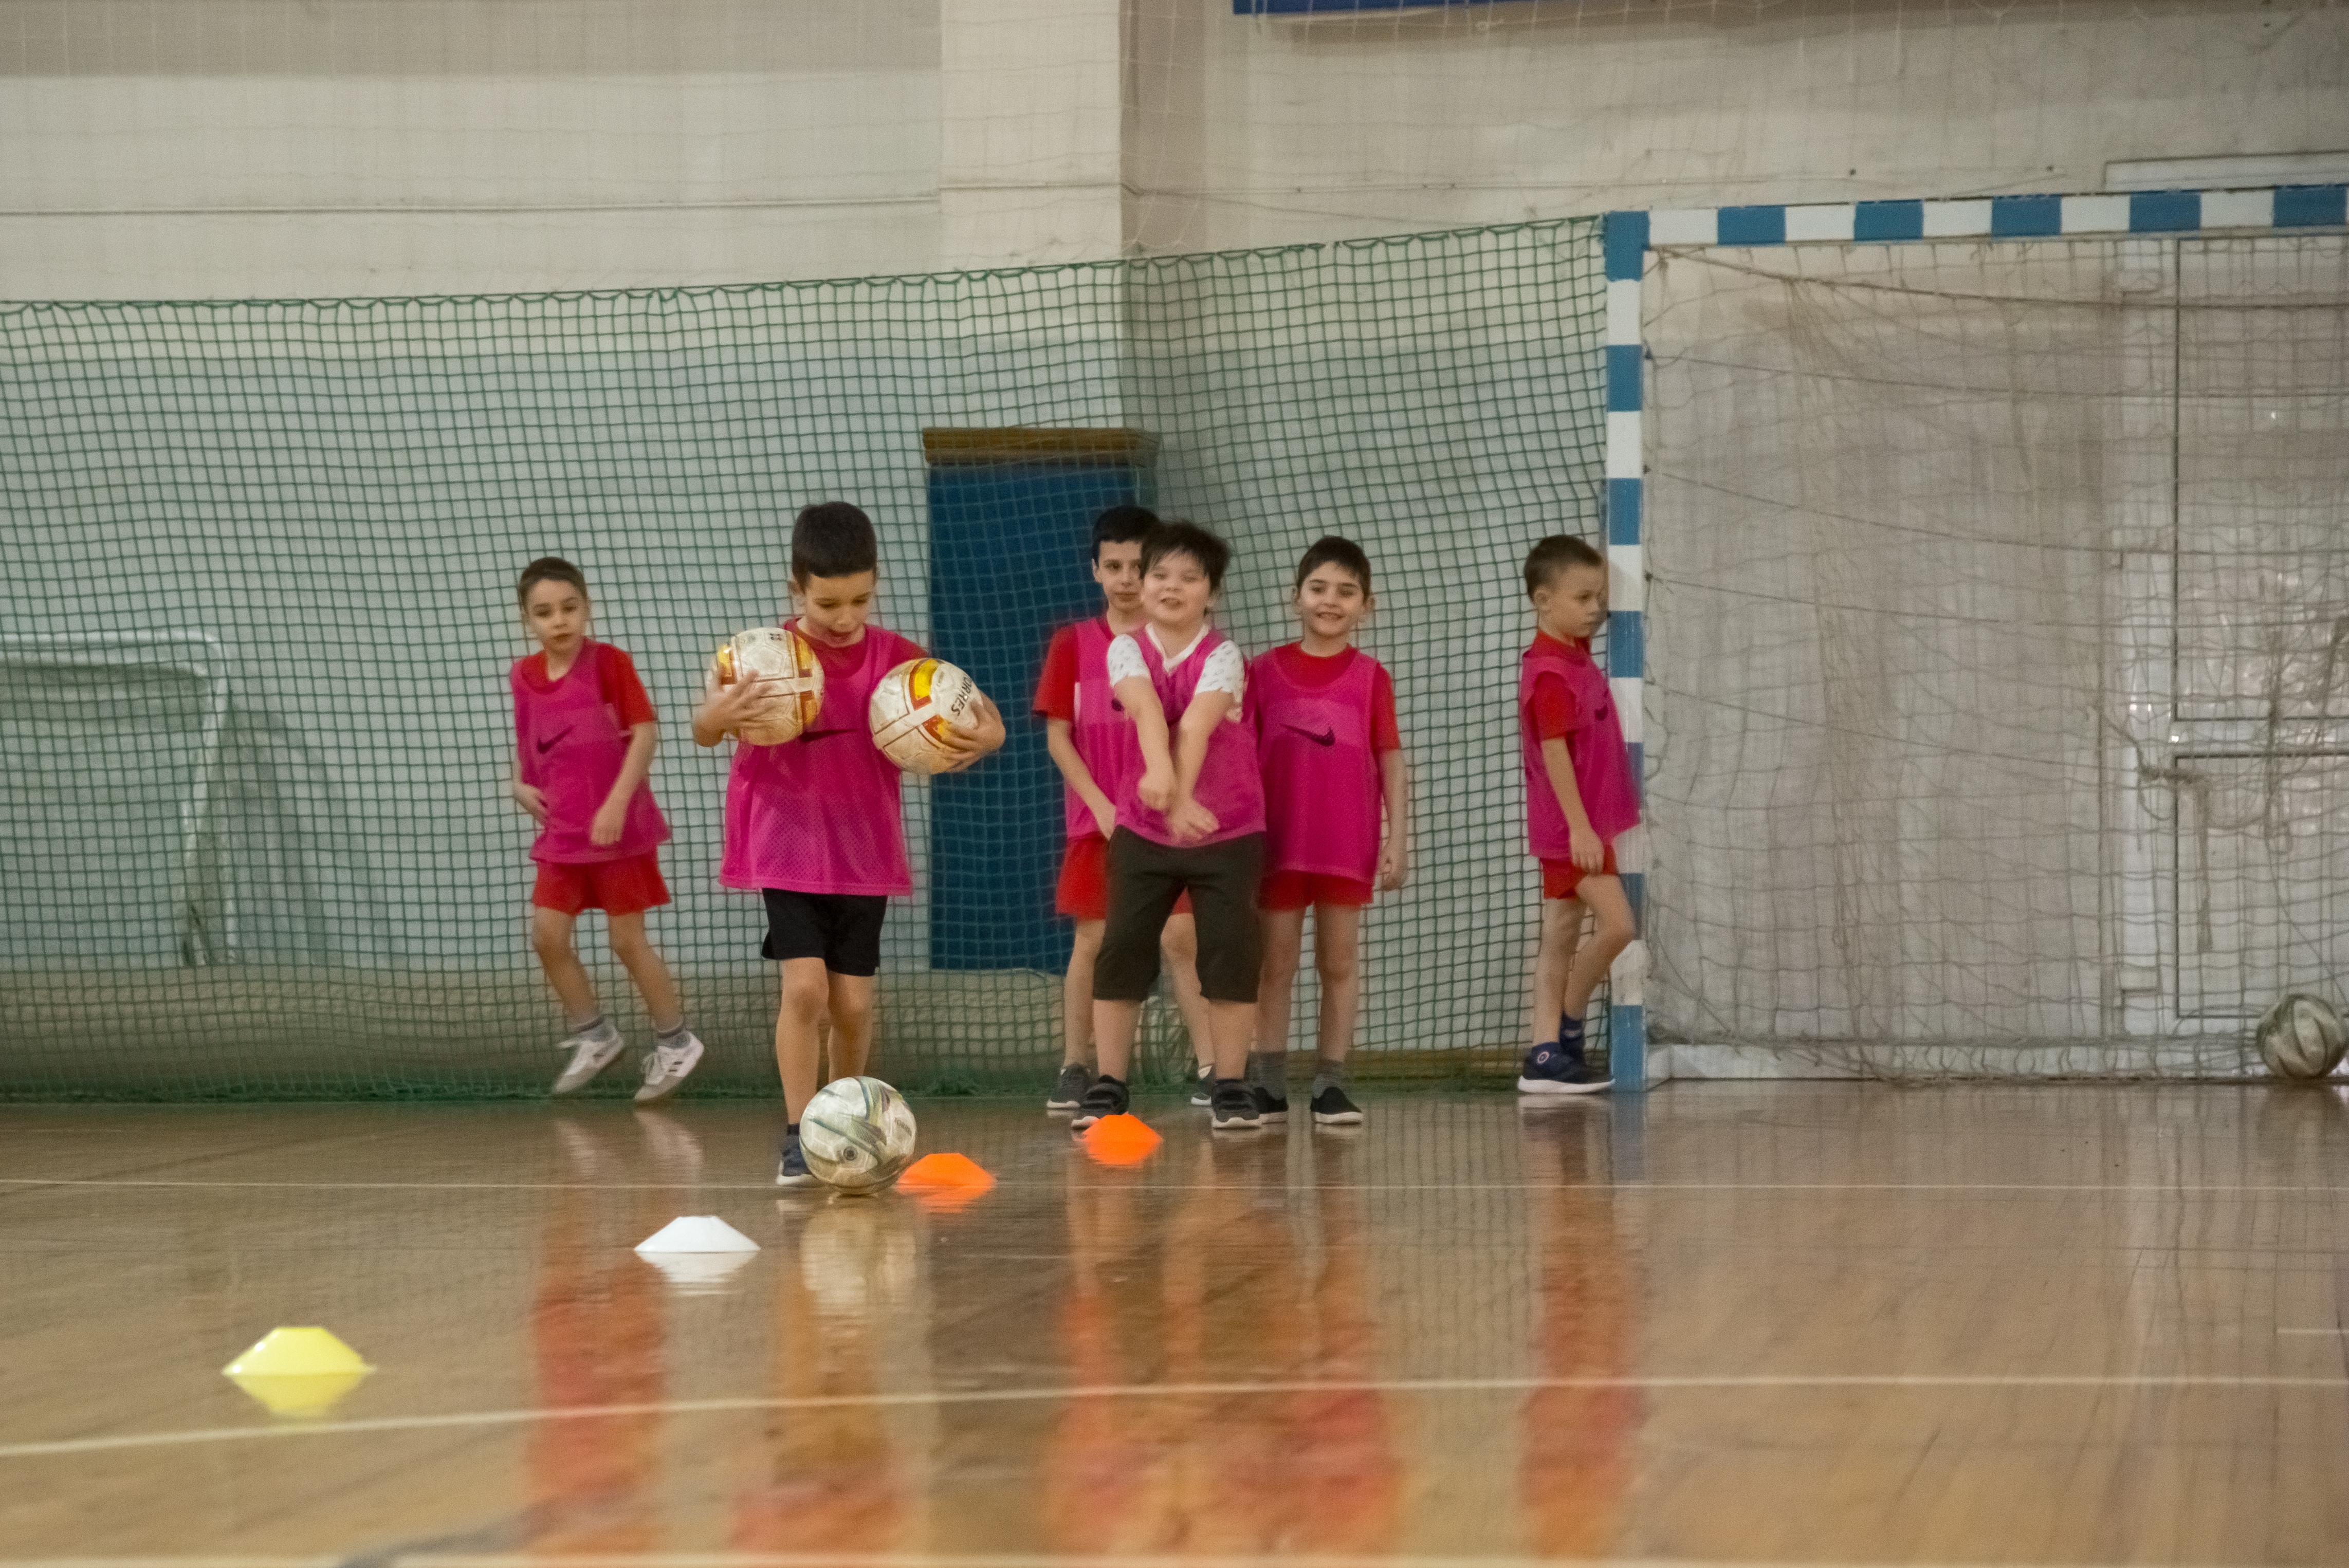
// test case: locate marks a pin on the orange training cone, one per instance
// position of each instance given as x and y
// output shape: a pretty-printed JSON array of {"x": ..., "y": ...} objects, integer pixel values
[
  {"x": 1123, "y": 1139},
  {"x": 945, "y": 1182}
]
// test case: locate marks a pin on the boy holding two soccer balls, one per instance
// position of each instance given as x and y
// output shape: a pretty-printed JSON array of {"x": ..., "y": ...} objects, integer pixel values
[{"x": 815, "y": 824}]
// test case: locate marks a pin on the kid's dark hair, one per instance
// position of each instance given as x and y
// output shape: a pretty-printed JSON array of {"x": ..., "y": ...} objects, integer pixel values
[
  {"x": 833, "y": 539},
  {"x": 1330, "y": 550},
  {"x": 1550, "y": 557},
  {"x": 548, "y": 569},
  {"x": 1121, "y": 524},
  {"x": 1176, "y": 536}
]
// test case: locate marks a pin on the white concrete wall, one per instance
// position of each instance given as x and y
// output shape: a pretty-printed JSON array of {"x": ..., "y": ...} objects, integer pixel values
[
  {"x": 184, "y": 148},
  {"x": 1308, "y": 130}
]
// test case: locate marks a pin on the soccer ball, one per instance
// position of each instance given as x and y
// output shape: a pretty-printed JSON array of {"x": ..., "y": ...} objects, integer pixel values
[
  {"x": 795, "y": 681},
  {"x": 915, "y": 705},
  {"x": 857, "y": 1134},
  {"x": 2302, "y": 1038}
]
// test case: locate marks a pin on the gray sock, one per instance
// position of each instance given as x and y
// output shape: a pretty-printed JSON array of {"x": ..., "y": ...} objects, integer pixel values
[
  {"x": 670, "y": 1036},
  {"x": 593, "y": 1026},
  {"x": 1268, "y": 1070},
  {"x": 1328, "y": 1074}
]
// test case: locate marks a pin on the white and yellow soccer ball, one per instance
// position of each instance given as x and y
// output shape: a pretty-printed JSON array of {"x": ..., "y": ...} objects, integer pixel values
[
  {"x": 794, "y": 677},
  {"x": 2302, "y": 1038},
  {"x": 914, "y": 708},
  {"x": 857, "y": 1134}
]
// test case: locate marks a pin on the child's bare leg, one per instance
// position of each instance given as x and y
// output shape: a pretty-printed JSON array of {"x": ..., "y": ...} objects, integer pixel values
[
  {"x": 1561, "y": 933},
  {"x": 644, "y": 965},
  {"x": 799, "y": 1022},
  {"x": 1077, "y": 995},
  {"x": 1612, "y": 932},
  {"x": 1337, "y": 956},
  {"x": 1114, "y": 1026},
  {"x": 852, "y": 1024},
  {"x": 1231, "y": 1025},
  {"x": 1284, "y": 941},
  {"x": 550, "y": 936},
  {"x": 1180, "y": 942}
]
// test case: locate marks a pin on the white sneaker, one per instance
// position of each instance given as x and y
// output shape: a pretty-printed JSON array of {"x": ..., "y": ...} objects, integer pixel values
[
  {"x": 668, "y": 1067},
  {"x": 592, "y": 1050}
]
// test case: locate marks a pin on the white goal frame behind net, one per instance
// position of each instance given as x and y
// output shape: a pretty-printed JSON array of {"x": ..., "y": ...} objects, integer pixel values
[{"x": 2158, "y": 1015}]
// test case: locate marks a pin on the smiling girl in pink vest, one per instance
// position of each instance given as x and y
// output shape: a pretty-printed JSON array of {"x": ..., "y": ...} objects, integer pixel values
[
  {"x": 1191, "y": 821},
  {"x": 1331, "y": 756},
  {"x": 584, "y": 738}
]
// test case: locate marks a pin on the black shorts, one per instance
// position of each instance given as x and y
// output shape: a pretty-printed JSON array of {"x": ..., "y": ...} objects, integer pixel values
[
  {"x": 843, "y": 929},
  {"x": 1145, "y": 878}
]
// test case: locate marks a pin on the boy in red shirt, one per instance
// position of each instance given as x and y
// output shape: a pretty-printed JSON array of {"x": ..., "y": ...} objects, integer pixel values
[
  {"x": 1579, "y": 798},
  {"x": 1094, "y": 746},
  {"x": 584, "y": 737}
]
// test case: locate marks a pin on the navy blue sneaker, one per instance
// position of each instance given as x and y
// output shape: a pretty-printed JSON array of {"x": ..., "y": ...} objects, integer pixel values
[
  {"x": 1556, "y": 1066},
  {"x": 791, "y": 1169}
]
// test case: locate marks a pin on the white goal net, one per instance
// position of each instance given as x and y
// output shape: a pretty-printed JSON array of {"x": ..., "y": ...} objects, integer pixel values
[{"x": 1998, "y": 608}]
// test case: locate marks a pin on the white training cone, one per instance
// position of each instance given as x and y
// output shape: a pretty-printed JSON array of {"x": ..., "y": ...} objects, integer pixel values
[{"x": 696, "y": 1233}]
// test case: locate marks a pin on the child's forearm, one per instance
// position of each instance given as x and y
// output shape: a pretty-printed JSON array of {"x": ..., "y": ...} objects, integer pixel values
[
  {"x": 706, "y": 731},
  {"x": 1394, "y": 779},
  {"x": 1200, "y": 721},
  {"x": 642, "y": 738},
  {"x": 1558, "y": 763},
  {"x": 1062, "y": 744},
  {"x": 1139, "y": 700}
]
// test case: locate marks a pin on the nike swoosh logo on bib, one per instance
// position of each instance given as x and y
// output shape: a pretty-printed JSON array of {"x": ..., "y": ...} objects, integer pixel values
[
  {"x": 1327, "y": 737},
  {"x": 546, "y": 746}
]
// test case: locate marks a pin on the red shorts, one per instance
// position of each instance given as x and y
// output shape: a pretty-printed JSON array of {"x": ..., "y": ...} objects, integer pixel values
[
  {"x": 1083, "y": 889},
  {"x": 1283, "y": 891},
  {"x": 1560, "y": 878},
  {"x": 617, "y": 887}
]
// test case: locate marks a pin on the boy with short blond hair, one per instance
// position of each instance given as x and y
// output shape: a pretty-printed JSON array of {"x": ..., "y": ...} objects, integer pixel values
[{"x": 1580, "y": 798}]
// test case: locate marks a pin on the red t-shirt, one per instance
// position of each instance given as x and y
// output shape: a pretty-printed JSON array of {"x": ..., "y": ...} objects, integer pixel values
[
  {"x": 839, "y": 664},
  {"x": 1309, "y": 670},
  {"x": 1556, "y": 713},
  {"x": 616, "y": 678},
  {"x": 1056, "y": 688}
]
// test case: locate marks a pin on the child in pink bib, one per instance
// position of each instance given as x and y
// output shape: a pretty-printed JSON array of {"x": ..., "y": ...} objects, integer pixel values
[
  {"x": 1332, "y": 762},
  {"x": 815, "y": 825},
  {"x": 1580, "y": 797},
  {"x": 1191, "y": 821},
  {"x": 1093, "y": 744},
  {"x": 584, "y": 738}
]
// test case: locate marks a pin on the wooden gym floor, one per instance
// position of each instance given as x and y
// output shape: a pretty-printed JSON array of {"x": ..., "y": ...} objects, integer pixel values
[{"x": 1739, "y": 1322}]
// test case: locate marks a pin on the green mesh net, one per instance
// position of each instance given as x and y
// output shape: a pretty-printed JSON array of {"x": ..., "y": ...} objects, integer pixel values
[{"x": 258, "y": 614}]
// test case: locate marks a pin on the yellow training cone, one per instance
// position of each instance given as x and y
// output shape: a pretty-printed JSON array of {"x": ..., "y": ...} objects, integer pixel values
[{"x": 297, "y": 1371}]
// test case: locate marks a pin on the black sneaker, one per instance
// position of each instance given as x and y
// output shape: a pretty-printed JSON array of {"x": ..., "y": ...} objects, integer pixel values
[
  {"x": 1233, "y": 1106},
  {"x": 1106, "y": 1097},
  {"x": 1332, "y": 1108},
  {"x": 791, "y": 1170},
  {"x": 1268, "y": 1106},
  {"x": 1069, "y": 1091},
  {"x": 1203, "y": 1091}
]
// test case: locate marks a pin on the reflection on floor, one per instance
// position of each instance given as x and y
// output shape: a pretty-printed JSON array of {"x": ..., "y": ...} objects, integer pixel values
[{"x": 1756, "y": 1323}]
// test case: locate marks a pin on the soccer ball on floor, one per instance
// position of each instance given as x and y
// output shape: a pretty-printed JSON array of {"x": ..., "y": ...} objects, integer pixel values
[
  {"x": 857, "y": 1134},
  {"x": 2302, "y": 1038},
  {"x": 795, "y": 681},
  {"x": 914, "y": 708}
]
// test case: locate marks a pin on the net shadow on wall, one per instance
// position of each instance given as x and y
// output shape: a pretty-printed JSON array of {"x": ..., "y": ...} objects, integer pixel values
[{"x": 1010, "y": 515}]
